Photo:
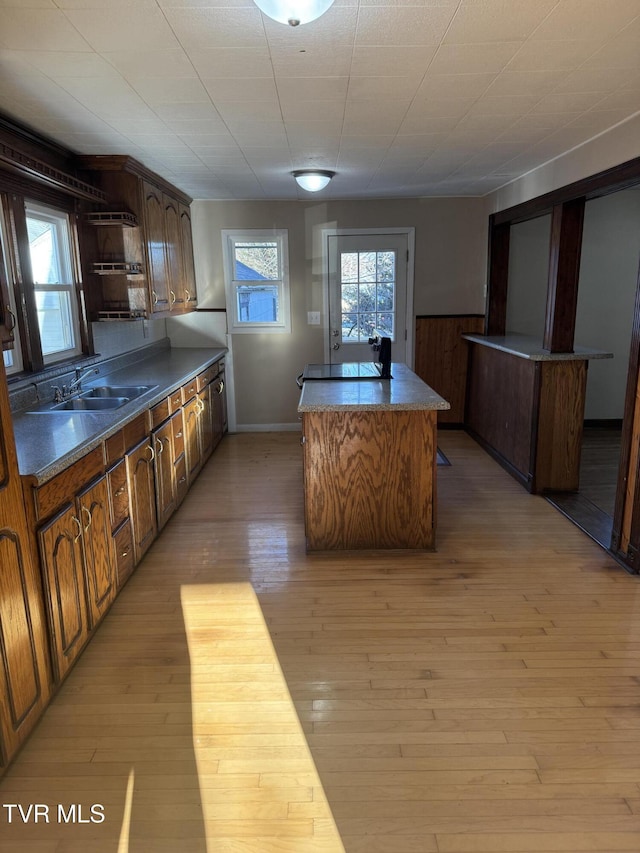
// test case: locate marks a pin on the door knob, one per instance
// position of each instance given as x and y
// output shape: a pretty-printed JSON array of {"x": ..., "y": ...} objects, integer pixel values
[{"x": 336, "y": 346}]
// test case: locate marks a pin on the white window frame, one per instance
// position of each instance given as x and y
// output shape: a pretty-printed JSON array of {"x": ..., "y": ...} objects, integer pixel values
[
  {"x": 62, "y": 229},
  {"x": 236, "y": 326}
]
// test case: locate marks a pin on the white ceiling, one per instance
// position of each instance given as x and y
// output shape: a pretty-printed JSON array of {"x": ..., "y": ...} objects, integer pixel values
[{"x": 401, "y": 99}]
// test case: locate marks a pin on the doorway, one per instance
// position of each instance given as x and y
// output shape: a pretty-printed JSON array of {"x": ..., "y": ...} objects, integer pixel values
[{"x": 369, "y": 290}]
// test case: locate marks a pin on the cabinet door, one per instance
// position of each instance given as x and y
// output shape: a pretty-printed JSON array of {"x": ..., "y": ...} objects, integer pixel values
[
  {"x": 64, "y": 581},
  {"x": 157, "y": 276},
  {"x": 97, "y": 545},
  {"x": 205, "y": 424},
  {"x": 142, "y": 496},
  {"x": 218, "y": 409},
  {"x": 24, "y": 681},
  {"x": 173, "y": 254},
  {"x": 162, "y": 440},
  {"x": 191, "y": 415},
  {"x": 186, "y": 253}
]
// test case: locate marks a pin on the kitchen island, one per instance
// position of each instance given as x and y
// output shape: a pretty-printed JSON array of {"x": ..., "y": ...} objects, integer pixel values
[{"x": 369, "y": 460}]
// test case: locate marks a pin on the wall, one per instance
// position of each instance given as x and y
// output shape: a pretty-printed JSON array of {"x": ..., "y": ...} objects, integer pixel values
[
  {"x": 606, "y": 295},
  {"x": 450, "y": 272},
  {"x": 528, "y": 276},
  {"x": 115, "y": 338}
]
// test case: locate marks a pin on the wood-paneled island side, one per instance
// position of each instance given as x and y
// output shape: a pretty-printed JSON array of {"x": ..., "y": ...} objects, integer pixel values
[{"x": 369, "y": 461}]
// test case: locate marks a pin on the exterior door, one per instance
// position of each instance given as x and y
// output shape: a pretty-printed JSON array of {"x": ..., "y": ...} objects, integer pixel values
[{"x": 367, "y": 276}]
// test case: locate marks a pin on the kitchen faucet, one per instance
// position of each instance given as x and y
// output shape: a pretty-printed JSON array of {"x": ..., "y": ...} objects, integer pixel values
[{"x": 74, "y": 386}]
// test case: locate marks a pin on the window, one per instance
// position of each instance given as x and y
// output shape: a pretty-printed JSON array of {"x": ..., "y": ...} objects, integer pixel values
[
  {"x": 367, "y": 281},
  {"x": 53, "y": 282},
  {"x": 257, "y": 280}
]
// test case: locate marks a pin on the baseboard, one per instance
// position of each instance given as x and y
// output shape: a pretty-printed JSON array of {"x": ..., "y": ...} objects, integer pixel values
[
  {"x": 295, "y": 427},
  {"x": 603, "y": 423}
]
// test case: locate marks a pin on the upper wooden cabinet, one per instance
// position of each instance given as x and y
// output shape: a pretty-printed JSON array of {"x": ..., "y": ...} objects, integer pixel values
[{"x": 141, "y": 248}]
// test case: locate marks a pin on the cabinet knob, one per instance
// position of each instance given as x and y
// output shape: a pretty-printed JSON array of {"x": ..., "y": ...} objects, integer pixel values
[
  {"x": 155, "y": 297},
  {"x": 152, "y": 451},
  {"x": 77, "y": 521},
  {"x": 120, "y": 491},
  {"x": 85, "y": 510},
  {"x": 173, "y": 297},
  {"x": 221, "y": 386}
]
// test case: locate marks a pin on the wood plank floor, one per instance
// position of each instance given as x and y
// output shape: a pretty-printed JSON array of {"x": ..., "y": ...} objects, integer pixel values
[{"x": 481, "y": 699}]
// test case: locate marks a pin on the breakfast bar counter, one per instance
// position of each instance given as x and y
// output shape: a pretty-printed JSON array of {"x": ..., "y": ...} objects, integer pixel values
[{"x": 369, "y": 460}]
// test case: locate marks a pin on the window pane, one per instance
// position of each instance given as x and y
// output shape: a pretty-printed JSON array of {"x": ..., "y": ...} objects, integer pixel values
[
  {"x": 258, "y": 304},
  {"x": 367, "y": 266},
  {"x": 368, "y": 294},
  {"x": 55, "y": 320},
  {"x": 349, "y": 267},
  {"x": 256, "y": 261},
  {"x": 8, "y": 358}
]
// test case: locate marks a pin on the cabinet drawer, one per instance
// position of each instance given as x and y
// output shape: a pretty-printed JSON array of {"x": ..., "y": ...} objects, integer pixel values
[
  {"x": 114, "y": 448},
  {"x": 189, "y": 390},
  {"x": 175, "y": 401},
  {"x": 62, "y": 489},
  {"x": 123, "y": 543},
  {"x": 135, "y": 431},
  {"x": 159, "y": 413},
  {"x": 118, "y": 494},
  {"x": 207, "y": 376}
]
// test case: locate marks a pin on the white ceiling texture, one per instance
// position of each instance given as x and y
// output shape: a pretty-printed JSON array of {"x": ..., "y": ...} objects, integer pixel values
[{"x": 402, "y": 98}]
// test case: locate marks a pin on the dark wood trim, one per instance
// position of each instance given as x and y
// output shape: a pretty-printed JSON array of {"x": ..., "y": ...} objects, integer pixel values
[
  {"x": 418, "y": 316},
  {"x": 535, "y": 424},
  {"x": 603, "y": 423},
  {"x": 497, "y": 277},
  {"x": 124, "y": 163},
  {"x": 564, "y": 270},
  {"x": 210, "y": 310},
  {"x": 611, "y": 180}
]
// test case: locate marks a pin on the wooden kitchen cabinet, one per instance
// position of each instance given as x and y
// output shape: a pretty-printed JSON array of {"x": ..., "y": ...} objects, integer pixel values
[
  {"x": 151, "y": 242},
  {"x": 191, "y": 413},
  {"x": 76, "y": 554},
  {"x": 165, "y": 485},
  {"x": 140, "y": 476},
  {"x": 218, "y": 409},
  {"x": 24, "y": 662}
]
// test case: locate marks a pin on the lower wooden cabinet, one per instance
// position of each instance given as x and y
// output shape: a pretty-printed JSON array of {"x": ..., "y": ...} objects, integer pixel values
[
  {"x": 76, "y": 554},
  {"x": 165, "y": 486},
  {"x": 140, "y": 476},
  {"x": 191, "y": 413}
]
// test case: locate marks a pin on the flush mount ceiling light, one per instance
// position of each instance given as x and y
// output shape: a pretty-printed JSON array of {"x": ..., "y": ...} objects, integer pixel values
[
  {"x": 293, "y": 12},
  {"x": 312, "y": 180}
]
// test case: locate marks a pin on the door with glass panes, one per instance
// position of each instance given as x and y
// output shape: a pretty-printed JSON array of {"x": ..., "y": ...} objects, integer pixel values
[{"x": 367, "y": 276}]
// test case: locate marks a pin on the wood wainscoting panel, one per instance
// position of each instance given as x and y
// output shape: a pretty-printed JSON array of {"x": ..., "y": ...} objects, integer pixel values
[
  {"x": 370, "y": 479},
  {"x": 501, "y": 405},
  {"x": 560, "y": 422},
  {"x": 442, "y": 356}
]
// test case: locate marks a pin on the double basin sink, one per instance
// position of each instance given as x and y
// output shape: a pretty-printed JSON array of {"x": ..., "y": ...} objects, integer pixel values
[{"x": 99, "y": 399}]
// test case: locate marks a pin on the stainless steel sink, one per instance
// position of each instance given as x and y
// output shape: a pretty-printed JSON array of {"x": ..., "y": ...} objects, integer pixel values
[
  {"x": 92, "y": 404},
  {"x": 108, "y": 391}
]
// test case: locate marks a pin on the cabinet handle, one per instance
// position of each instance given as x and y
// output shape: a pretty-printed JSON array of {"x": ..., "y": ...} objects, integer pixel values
[
  {"x": 303, "y": 440},
  {"x": 77, "y": 521},
  {"x": 125, "y": 553},
  {"x": 155, "y": 297},
  {"x": 182, "y": 480},
  {"x": 84, "y": 509},
  {"x": 221, "y": 386},
  {"x": 187, "y": 296},
  {"x": 13, "y": 319},
  {"x": 120, "y": 491},
  {"x": 159, "y": 446},
  {"x": 179, "y": 434},
  {"x": 153, "y": 453},
  {"x": 173, "y": 297}
]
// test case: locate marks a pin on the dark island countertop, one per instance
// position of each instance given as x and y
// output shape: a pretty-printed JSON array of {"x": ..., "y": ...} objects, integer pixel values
[{"x": 48, "y": 442}]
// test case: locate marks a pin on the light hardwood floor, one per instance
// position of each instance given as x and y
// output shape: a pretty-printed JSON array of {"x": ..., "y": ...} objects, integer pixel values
[{"x": 481, "y": 699}]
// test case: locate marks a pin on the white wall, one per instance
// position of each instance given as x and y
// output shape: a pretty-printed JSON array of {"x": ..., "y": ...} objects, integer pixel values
[
  {"x": 528, "y": 276},
  {"x": 450, "y": 273},
  {"x": 606, "y": 295}
]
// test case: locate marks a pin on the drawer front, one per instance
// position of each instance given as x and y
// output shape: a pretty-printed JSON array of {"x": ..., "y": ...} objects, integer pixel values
[
  {"x": 118, "y": 494},
  {"x": 175, "y": 401},
  {"x": 189, "y": 390},
  {"x": 62, "y": 489},
  {"x": 207, "y": 376},
  {"x": 160, "y": 413},
  {"x": 135, "y": 431},
  {"x": 123, "y": 543},
  {"x": 114, "y": 448}
]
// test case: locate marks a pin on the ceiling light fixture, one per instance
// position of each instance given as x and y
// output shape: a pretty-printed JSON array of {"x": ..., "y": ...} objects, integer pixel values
[
  {"x": 293, "y": 12},
  {"x": 312, "y": 180}
]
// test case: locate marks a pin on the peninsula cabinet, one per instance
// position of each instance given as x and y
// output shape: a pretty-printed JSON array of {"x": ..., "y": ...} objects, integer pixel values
[
  {"x": 24, "y": 663},
  {"x": 141, "y": 251}
]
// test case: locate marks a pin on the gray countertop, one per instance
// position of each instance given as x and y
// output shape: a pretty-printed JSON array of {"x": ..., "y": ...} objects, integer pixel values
[
  {"x": 48, "y": 442},
  {"x": 525, "y": 346},
  {"x": 405, "y": 391}
]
